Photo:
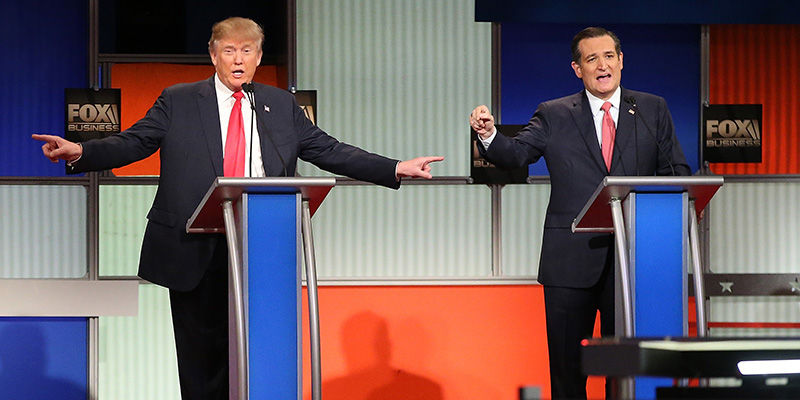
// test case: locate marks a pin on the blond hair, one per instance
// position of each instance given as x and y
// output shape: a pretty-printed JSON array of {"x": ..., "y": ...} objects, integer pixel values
[{"x": 236, "y": 28}]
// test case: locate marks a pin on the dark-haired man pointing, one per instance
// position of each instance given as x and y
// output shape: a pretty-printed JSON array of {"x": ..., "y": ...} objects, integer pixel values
[{"x": 583, "y": 138}]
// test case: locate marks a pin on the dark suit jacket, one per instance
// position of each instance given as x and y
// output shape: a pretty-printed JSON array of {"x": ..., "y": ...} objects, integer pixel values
[
  {"x": 563, "y": 132},
  {"x": 184, "y": 124}
]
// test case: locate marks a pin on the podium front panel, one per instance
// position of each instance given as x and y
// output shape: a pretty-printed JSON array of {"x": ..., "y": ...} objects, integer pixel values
[
  {"x": 271, "y": 244},
  {"x": 658, "y": 268}
]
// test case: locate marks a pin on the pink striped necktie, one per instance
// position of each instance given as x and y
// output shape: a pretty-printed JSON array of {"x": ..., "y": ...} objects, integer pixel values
[
  {"x": 233, "y": 164},
  {"x": 609, "y": 132}
]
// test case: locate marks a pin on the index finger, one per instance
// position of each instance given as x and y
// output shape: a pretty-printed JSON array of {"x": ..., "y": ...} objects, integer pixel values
[
  {"x": 44, "y": 138},
  {"x": 435, "y": 158}
]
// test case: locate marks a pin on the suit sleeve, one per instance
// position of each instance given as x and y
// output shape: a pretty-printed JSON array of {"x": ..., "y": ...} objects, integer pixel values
[
  {"x": 525, "y": 148},
  {"x": 671, "y": 156},
  {"x": 326, "y": 152},
  {"x": 133, "y": 144}
]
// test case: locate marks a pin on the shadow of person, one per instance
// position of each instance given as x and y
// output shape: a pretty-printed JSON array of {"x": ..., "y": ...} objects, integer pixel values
[
  {"x": 367, "y": 351},
  {"x": 23, "y": 365}
]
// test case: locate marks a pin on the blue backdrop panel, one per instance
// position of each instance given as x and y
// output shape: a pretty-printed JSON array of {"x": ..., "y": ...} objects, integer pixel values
[
  {"x": 659, "y": 299},
  {"x": 659, "y": 59},
  {"x": 44, "y": 44},
  {"x": 274, "y": 296},
  {"x": 43, "y": 358}
]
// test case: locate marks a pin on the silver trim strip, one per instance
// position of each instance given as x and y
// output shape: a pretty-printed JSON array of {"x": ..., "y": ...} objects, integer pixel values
[{"x": 68, "y": 298}]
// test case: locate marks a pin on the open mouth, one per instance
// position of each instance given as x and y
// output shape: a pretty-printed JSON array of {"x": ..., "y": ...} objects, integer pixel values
[
  {"x": 603, "y": 78},
  {"x": 237, "y": 73}
]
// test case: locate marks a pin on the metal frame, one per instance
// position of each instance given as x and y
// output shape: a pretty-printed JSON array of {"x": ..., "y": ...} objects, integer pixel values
[
  {"x": 745, "y": 284},
  {"x": 99, "y": 68}
]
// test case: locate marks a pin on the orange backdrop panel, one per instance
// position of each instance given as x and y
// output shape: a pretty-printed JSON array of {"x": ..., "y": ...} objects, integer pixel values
[
  {"x": 142, "y": 83},
  {"x": 757, "y": 64},
  {"x": 431, "y": 343}
]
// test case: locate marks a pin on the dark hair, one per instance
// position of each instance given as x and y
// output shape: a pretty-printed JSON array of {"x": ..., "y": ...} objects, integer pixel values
[{"x": 592, "y": 32}]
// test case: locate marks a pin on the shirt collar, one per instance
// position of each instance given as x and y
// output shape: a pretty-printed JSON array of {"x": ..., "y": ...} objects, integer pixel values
[
  {"x": 595, "y": 103},
  {"x": 223, "y": 93}
]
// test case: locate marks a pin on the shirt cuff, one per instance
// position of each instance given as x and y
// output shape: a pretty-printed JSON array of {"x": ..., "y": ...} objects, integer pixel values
[
  {"x": 486, "y": 142},
  {"x": 71, "y": 163}
]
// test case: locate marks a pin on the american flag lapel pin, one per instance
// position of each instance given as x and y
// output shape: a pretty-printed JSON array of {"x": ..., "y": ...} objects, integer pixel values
[{"x": 266, "y": 108}]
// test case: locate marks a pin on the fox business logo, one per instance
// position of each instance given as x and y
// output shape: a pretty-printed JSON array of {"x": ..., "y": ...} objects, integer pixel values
[
  {"x": 92, "y": 117},
  {"x": 733, "y": 133}
]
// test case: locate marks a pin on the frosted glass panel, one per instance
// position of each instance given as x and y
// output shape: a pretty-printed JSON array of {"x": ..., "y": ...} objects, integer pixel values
[
  {"x": 137, "y": 354},
  {"x": 43, "y": 231},
  {"x": 399, "y": 79},
  {"x": 523, "y": 212},
  {"x": 754, "y": 228},
  {"x": 418, "y": 231},
  {"x": 396, "y": 77},
  {"x": 754, "y": 332},
  {"x": 755, "y": 309},
  {"x": 123, "y": 216}
]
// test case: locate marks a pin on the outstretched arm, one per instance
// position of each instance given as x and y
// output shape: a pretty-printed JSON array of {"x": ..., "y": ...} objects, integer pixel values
[
  {"x": 416, "y": 168},
  {"x": 57, "y": 148}
]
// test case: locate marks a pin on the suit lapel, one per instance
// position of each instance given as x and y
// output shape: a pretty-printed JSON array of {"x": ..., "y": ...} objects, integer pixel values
[
  {"x": 209, "y": 114},
  {"x": 625, "y": 123},
  {"x": 264, "y": 111},
  {"x": 582, "y": 115},
  {"x": 270, "y": 128}
]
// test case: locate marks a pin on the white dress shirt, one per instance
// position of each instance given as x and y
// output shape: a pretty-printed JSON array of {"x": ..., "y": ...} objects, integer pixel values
[
  {"x": 225, "y": 103},
  {"x": 596, "y": 104}
]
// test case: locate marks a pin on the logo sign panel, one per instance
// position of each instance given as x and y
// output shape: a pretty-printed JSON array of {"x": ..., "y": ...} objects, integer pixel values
[
  {"x": 307, "y": 100},
  {"x": 91, "y": 114},
  {"x": 482, "y": 171},
  {"x": 732, "y": 133}
]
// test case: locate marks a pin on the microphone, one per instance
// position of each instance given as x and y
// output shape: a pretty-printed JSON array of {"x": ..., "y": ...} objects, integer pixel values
[
  {"x": 632, "y": 101},
  {"x": 249, "y": 89}
]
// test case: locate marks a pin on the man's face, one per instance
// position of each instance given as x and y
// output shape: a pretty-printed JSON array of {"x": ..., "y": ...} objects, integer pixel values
[
  {"x": 236, "y": 61},
  {"x": 600, "y": 66}
]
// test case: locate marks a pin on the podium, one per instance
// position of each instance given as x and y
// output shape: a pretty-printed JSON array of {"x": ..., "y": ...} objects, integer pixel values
[
  {"x": 263, "y": 220},
  {"x": 654, "y": 221}
]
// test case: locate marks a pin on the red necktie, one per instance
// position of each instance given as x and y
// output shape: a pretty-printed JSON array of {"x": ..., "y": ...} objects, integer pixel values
[
  {"x": 609, "y": 131},
  {"x": 233, "y": 165}
]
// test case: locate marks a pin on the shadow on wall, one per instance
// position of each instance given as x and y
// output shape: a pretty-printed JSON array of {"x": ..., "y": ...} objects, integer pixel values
[
  {"x": 367, "y": 349},
  {"x": 23, "y": 365}
]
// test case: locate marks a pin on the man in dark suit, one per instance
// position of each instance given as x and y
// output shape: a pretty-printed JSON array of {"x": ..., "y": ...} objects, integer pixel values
[
  {"x": 188, "y": 123},
  {"x": 577, "y": 269}
]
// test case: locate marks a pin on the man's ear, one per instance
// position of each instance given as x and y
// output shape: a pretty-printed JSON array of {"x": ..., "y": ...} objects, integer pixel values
[
  {"x": 213, "y": 57},
  {"x": 577, "y": 69}
]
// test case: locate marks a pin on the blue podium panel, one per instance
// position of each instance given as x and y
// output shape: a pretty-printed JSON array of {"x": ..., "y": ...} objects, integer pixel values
[
  {"x": 659, "y": 274},
  {"x": 272, "y": 290},
  {"x": 43, "y": 358}
]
